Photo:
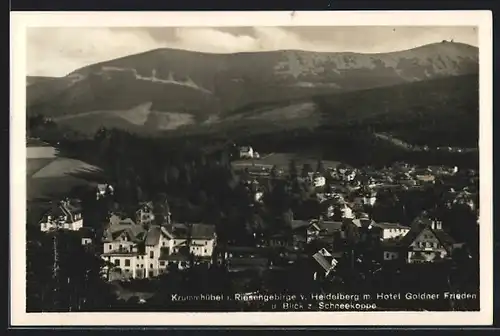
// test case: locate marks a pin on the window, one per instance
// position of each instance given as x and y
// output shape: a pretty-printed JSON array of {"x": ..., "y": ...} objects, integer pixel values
[
  {"x": 121, "y": 247},
  {"x": 205, "y": 250},
  {"x": 150, "y": 265},
  {"x": 117, "y": 262},
  {"x": 162, "y": 263},
  {"x": 110, "y": 247},
  {"x": 127, "y": 262},
  {"x": 163, "y": 243},
  {"x": 151, "y": 254}
]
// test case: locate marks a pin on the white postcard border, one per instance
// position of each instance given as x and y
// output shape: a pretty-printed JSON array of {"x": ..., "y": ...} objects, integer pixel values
[{"x": 21, "y": 20}]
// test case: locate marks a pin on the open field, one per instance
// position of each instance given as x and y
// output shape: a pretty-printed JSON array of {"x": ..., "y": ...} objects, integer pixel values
[
  {"x": 64, "y": 166},
  {"x": 52, "y": 188},
  {"x": 282, "y": 161},
  {"x": 50, "y": 179},
  {"x": 34, "y": 165}
]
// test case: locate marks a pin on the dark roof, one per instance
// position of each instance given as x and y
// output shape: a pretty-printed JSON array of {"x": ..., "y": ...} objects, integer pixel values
[
  {"x": 325, "y": 259},
  {"x": 153, "y": 235},
  {"x": 415, "y": 231},
  {"x": 410, "y": 237},
  {"x": 421, "y": 222},
  {"x": 327, "y": 227},
  {"x": 297, "y": 224},
  {"x": 444, "y": 238},
  {"x": 179, "y": 256},
  {"x": 331, "y": 226},
  {"x": 395, "y": 242},
  {"x": 68, "y": 208},
  {"x": 145, "y": 205},
  {"x": 134, "y": 232},
  {"x": 362, "y": 222},
  {"x": 121, "y": 253},
  {"x": 198, "y": 231},
  {"x": 390, "y": 226}
]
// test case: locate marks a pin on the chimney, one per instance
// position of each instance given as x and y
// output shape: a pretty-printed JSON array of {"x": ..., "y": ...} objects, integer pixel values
[
  {"x": 436, "y": 225},
  {"x": 439, "y": 225}
]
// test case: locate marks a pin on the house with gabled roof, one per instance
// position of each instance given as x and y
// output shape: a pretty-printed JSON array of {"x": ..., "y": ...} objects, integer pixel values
[
  {"x": 426, "y": 241},
  {"x": 246, "y": 152},
  {"x": 65, "y": 215},
  {"x": 326, "y": 231},
  {"x": 326, "y": 262},
  {"x": 135, "y": 250},
  {"x": 87, "y": 236},
  {"x": 145, "y": 214},
  {"x": 123, "y": 249},
  {"x": 122, "y": 236},
  {"x": 199, "y": 238}
]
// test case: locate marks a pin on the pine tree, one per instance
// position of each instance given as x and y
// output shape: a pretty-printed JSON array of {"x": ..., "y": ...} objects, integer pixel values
[
  {"x": 320, "y": 168},
  {"x": 293, "y": 171}
]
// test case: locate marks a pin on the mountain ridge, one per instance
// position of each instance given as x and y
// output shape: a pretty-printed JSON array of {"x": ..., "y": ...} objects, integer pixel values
[{"x": 171, "y": 88}]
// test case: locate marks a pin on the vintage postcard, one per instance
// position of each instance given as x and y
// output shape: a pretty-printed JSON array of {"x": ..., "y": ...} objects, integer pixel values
[{"x": 251, "y": 168}]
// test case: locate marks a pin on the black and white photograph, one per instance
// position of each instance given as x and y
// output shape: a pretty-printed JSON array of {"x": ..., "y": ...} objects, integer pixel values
[{"x": 295, "y": 165}]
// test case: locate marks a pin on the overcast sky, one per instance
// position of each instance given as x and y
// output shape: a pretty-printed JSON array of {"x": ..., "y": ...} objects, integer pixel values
[{"x": 58, "y": 51}]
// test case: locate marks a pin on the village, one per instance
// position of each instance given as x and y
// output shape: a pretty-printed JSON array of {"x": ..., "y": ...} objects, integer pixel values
[{"x": 345, "y": 221}]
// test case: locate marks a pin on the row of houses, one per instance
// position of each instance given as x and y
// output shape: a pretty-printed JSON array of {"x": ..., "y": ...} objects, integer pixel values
[
  {"x": 140, "y": 248},
  {"x": 137, "y": 248},
  {"x": 425, "y": 241}
]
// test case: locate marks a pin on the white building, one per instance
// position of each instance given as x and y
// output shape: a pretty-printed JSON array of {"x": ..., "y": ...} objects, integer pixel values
[
  {"x": 368, "y": 198},
  {"x": 67, "y": 215},
  {"x": 246, "y": 152},
  {"x": 134, "y": 252},
  {"x": 258, "y": 196},
  {"x": 390, "y": 230},
  {"x": 103, "y": 190},
  {"x": 145, "y": 214},
  {"x": 343, "y": 208},
  {"x": 319, "y": 181}
]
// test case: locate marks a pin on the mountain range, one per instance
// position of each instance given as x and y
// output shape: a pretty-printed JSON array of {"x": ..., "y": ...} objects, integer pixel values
[{"x": 167, "y": 90}]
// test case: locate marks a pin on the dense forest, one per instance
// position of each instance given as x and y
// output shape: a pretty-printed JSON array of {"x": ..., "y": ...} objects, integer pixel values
[{"x": 195, "y": 178}]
